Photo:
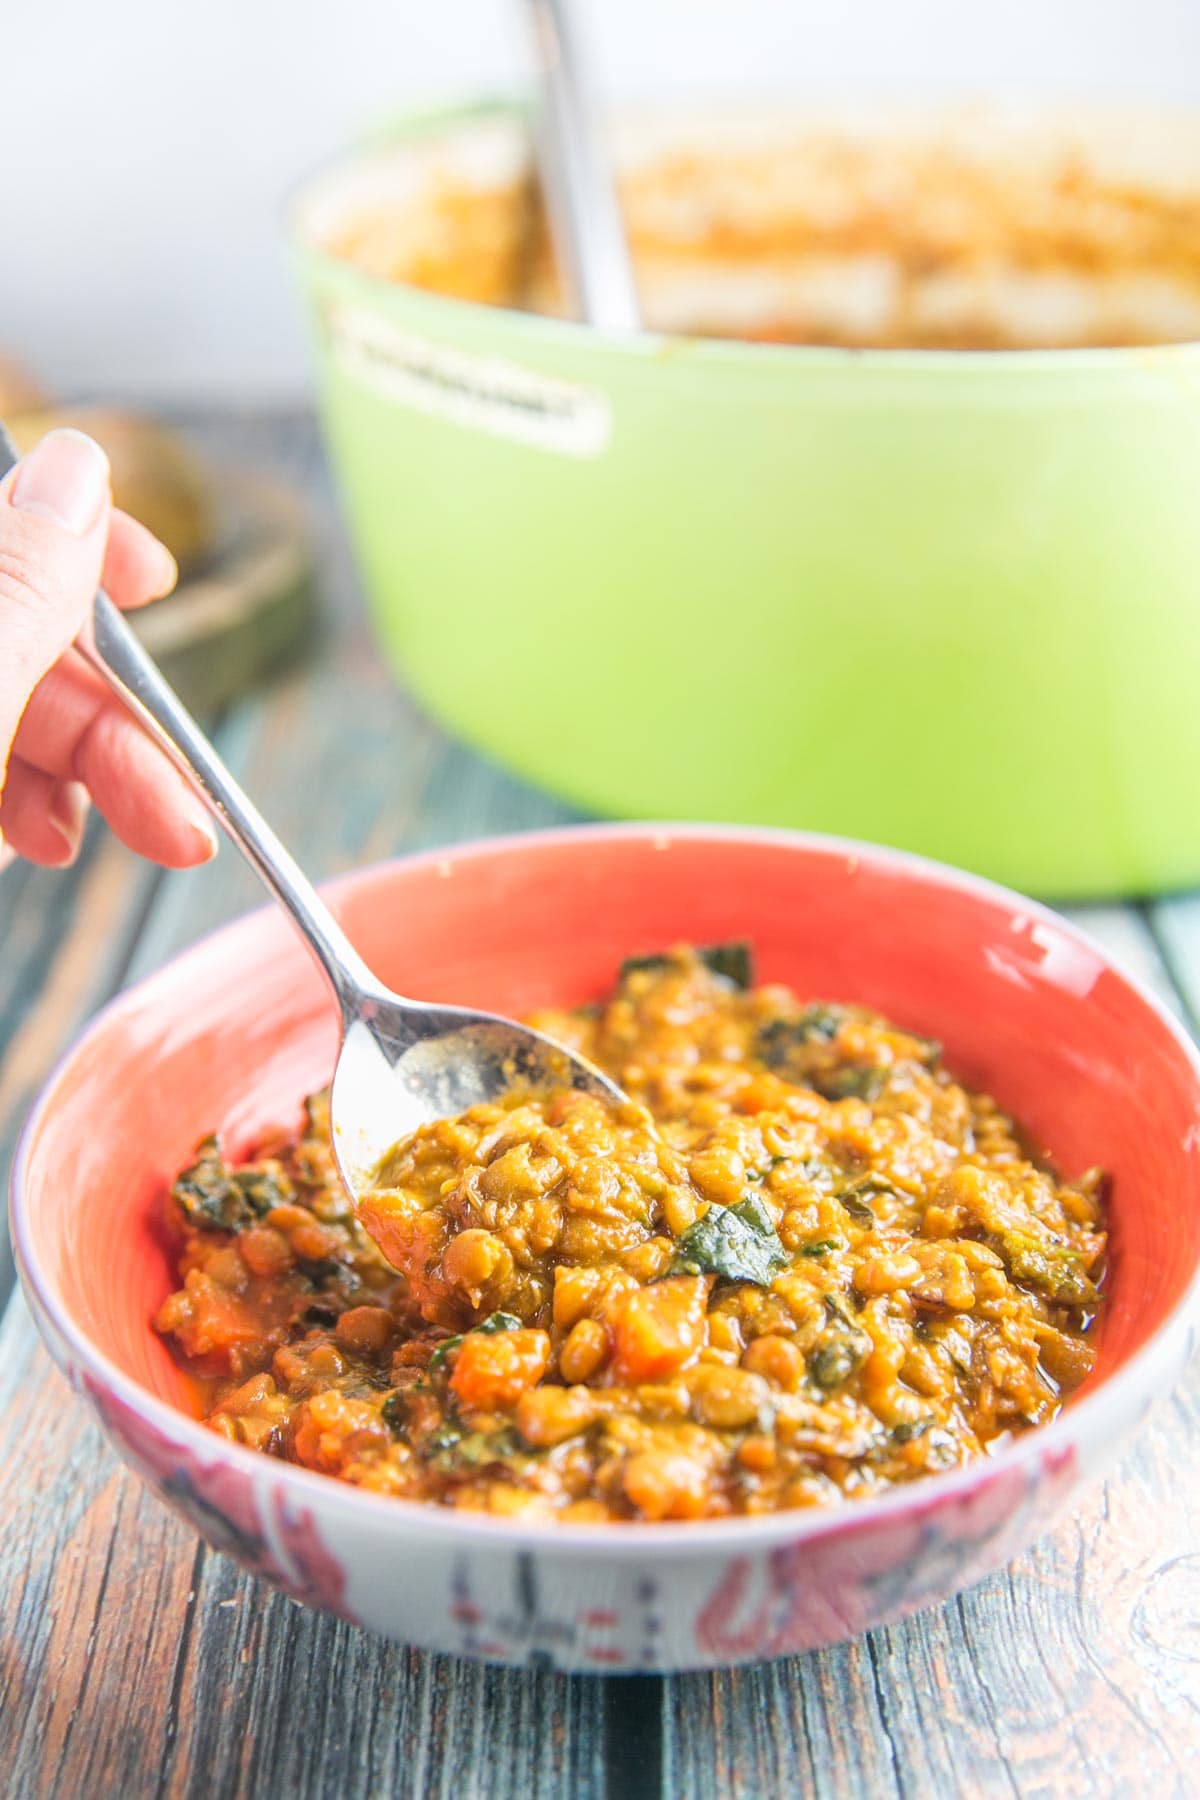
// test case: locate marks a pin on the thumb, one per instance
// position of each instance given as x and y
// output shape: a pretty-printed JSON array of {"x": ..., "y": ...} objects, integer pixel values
[{"x": 54, "y": 514}]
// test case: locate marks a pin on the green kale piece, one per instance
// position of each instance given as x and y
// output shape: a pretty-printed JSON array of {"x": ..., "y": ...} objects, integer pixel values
[
  {"x": 214, "y": 1197},
  {"x": 855, "y": 1197},
  {"x": 732, "y": 962},
  {"x": 845, "y": 1350},
  {"x": 394, "y": 1412},
  {"x": 848, "y": 1081},
  {"x": 908, "y": 1429},
  {"x": 736, "y": 1243},
  {"x": 451, "y": 1449},
  {"x": 1052, "y": 1269},
  {"x": 780, "y": 1039},
  {"x": 833, "y": 1364}
]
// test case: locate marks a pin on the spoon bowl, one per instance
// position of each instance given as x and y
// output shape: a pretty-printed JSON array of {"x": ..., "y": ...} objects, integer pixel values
[{"x": 403, "y": 1065}]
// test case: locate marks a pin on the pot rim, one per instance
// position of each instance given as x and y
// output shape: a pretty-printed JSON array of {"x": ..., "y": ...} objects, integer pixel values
[{"x": 517, "y": 327}]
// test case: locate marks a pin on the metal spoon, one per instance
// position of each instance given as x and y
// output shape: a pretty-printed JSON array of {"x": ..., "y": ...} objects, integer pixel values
[
  {"x": 581, "y": 198},
  {"x": 402, "y": 1062}
]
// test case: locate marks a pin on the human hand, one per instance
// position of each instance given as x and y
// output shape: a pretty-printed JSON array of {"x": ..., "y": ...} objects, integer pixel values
[{"x": 64, "y": 737}]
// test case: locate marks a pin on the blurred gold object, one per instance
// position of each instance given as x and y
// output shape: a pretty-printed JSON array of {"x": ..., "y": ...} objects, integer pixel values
[
  {"x": 156, "y": 477},
  {"x": 246, "y": 601},
  {"x": 19, "y": 392}
]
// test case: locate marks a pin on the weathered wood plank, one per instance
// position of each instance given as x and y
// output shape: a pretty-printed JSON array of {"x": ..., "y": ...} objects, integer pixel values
[
  {"x": 77, "y": 1651},
  {"x": 64, "y": 949}
]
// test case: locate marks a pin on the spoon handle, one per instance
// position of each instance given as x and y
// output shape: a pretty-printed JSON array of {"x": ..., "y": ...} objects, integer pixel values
[
  {"x": 117, "y": 656},
  {"x": 585, "y": 215}
]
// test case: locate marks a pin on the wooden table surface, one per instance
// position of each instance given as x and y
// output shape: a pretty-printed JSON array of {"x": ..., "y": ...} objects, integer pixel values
[{"x": 135, "y": 1661}]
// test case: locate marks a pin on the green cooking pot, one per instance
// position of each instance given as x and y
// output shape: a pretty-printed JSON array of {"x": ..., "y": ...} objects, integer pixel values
[{"x": 944, "y": 600}]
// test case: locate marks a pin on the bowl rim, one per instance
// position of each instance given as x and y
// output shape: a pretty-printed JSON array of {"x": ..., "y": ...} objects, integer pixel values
[
  {"x": 607, "y": 1538},
  {"x": 677, "y": 348}
]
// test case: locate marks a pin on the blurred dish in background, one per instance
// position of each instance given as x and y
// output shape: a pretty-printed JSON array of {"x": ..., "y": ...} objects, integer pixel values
[
  {"x": 156, "y": 476},
  {"x": 864, "y": 581},
  {"x": 245, "y": 599},
  {"x": 18, "y": 389}
]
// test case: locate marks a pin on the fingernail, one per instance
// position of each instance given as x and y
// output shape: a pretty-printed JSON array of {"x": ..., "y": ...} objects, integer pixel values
[
  {"x": 203, "y": 829},
  {"x": 68, "y": 815},
  {"x": 167, "y": 579},
  {"x": 64, "y": 478}
]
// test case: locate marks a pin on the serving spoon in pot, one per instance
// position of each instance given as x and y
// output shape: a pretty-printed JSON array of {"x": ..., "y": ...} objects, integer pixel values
[
  {"x": 582, "y": 206},
  {"x": 402, "y": 1063}
]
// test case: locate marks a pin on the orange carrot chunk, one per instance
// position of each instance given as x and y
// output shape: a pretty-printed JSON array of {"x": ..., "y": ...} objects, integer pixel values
[
  {"x": 493, "y": 1370},
  {"x": 657, "y": 1329}
]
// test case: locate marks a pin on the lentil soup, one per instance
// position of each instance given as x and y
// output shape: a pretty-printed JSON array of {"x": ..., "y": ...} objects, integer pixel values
[{"x": 803, "y": 1264}]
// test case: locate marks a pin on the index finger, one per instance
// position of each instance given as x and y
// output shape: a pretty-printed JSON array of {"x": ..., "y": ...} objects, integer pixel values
[
  {"x": 54, "y": 509},
  {"x": 137, "y": 567}
]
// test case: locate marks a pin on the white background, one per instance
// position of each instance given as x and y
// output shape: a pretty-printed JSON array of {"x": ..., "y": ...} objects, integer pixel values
[{"x": 148, "y": 143}]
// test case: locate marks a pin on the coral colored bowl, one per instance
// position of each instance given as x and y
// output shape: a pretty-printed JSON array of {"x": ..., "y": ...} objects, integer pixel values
[{"x": 236, "y": 1031}]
